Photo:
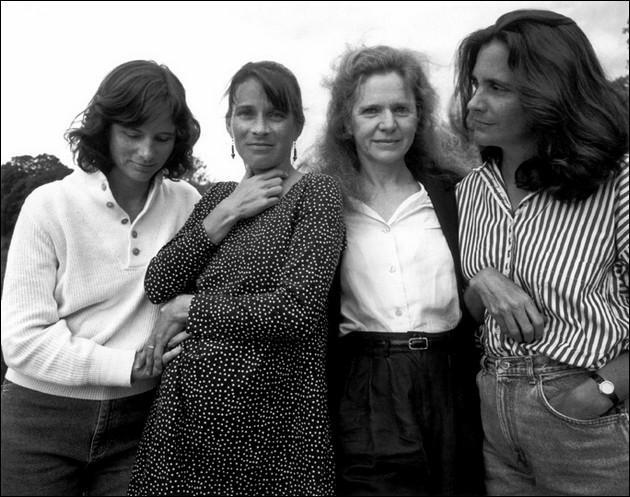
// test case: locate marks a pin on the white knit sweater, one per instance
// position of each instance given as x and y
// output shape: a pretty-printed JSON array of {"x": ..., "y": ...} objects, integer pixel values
[{"x": 74, "y": 309}]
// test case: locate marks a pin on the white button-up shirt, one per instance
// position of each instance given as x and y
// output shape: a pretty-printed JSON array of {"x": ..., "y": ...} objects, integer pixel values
[{"x": 397, "y": 275}]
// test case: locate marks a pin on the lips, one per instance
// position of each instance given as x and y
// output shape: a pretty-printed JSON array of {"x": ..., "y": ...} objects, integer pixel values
[{"x": 477, "y": 122}]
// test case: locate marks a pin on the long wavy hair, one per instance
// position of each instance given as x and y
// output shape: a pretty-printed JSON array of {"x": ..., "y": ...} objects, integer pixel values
[
  {"x": 130, "y": 95},
  {"x": 336, "y": 150},
  {"x": 579, "y": 119}
]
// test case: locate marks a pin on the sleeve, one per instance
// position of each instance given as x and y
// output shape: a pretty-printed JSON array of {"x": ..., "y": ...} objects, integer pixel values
[
  {"x": 622, "y": 219},
  {"x": 299, "y": 302},
  {"x": 622, "y": 200},
  {"x": 186, "y": 254},
  {"x": 35, "y": 341}
]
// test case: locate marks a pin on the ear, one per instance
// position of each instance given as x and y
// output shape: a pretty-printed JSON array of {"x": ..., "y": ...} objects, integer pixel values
[{"x": 228, "y": 127}]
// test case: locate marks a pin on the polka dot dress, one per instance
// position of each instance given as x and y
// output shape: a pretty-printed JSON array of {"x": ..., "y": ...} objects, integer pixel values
[{"x": 242, "y": 410}]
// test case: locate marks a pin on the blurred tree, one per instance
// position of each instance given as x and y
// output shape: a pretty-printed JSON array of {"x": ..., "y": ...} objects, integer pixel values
[
  {"x": 19, "y": 177},
  {"x": 198, "y": 176}
]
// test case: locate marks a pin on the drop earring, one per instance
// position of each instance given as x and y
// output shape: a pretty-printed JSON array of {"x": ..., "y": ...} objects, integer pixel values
[
  {"x": 294, "y": 153},
  {"x": 232, "y": 154}
]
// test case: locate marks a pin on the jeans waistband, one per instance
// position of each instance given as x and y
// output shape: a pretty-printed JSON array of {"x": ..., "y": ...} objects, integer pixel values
[
  {"x": 384, "y": 343},
  {"x": 524, "y": 365}
]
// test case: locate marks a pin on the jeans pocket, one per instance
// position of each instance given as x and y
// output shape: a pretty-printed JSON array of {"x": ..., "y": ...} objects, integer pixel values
[{"x": 549, "y": 388}]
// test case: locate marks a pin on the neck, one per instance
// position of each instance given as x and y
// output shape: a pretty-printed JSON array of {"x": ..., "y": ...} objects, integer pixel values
[
  {"x": 385, "y": 177},
  {"x": 130, "y": 195},
  {"x": 514, "y": 157},
  {"x": 292, "y": 176}
]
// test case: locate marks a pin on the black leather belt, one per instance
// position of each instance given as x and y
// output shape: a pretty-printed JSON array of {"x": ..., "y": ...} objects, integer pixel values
[{"x": 369, "y": 342}]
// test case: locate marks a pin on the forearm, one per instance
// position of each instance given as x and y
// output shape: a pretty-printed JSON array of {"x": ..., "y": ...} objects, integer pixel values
[
  {"x": 175, "y": 268},
  {"x": 220, "y": 221}
]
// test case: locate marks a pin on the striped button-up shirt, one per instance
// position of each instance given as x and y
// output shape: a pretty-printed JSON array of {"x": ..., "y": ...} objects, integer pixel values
[{"x": 570, "y": 257}]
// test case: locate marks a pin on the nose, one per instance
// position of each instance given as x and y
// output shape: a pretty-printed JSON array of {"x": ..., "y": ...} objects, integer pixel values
[
  {"x": 476, "y": 102},
  {"x": 261, "y": 126},
  {"x": 146, "y": 150},
  {"x": 387, "y": 121}
]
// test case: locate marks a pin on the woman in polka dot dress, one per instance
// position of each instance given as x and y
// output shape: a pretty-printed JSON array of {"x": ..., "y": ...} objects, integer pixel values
[{"x": 242, "y": 410}]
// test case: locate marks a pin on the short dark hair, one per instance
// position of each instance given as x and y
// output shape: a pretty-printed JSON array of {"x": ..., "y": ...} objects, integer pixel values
[
  {"x": 337, "y": 150},
  {"x": 578, "y": 117},
  {"x": 129, "y": 95},
  {"x": 279, "y": 84}
]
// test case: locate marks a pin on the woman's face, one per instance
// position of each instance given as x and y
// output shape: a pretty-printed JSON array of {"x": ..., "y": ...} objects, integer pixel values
[
  {"x": 141, "y": 151},
  {"x": 383, "y": 120},
  {"x": 495, "y": 113},
  {"x": 263, "y": 135}
]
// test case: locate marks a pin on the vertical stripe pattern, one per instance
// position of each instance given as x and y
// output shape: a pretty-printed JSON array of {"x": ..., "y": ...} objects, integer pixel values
[{"x": 570, "y": 257}]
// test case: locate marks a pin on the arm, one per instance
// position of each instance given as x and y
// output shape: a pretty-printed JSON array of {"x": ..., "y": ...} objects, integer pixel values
[
  {"x": 210, "y": 222},
  {"x": 299, "y": 301},
  {"x": 586, "y": 402},
  {"x": 512, "y": 308},
  {"x": 35, "y": 340}
]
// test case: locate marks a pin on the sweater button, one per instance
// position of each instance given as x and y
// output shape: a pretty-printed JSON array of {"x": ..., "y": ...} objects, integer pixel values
[
  {"x": 135, "y": 251},
  {"x": 110, "y": 204}
]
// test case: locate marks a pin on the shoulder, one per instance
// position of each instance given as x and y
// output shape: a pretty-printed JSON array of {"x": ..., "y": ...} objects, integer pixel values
[
  {"x": 470, "y": 181},
  {"x": 180, "y": 189},
  {"x": 322, "y": 183},
  {"x": 217, "y": 192},
  {"x": 221, "y": 188},
  {"x": 322, "y": 189},
  {"x": 55, "y": 193},
  {"x": 622, "y": 177}
]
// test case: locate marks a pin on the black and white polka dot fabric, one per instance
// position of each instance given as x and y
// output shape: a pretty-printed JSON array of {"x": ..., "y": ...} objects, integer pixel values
[{"x": 242, "y": 410}]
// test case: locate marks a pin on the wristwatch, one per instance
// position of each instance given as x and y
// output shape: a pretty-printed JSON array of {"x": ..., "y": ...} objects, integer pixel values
[{"x": 606, "y": 387}]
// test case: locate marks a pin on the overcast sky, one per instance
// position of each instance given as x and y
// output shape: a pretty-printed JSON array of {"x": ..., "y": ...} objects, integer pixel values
[{"x": 55, "y": 54}]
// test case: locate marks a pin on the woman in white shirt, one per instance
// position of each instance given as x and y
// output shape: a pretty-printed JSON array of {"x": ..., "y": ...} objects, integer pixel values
[
  {"x": 400, "y": 362},
  {"x": 74, "y": 312}
]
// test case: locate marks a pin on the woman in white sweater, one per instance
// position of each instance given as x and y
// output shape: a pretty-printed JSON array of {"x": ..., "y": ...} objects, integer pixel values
[{"x": 74, "y": 312}]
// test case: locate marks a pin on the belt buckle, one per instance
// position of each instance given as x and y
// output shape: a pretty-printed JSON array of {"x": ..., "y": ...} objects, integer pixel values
[{"x": 418, "y": 343}]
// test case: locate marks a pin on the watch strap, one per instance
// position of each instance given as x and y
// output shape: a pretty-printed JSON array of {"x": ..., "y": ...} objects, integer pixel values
[{"x": 612, "y": 396}]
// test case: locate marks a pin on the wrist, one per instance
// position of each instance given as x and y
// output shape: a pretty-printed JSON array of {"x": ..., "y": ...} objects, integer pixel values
[{"x": 605, "y": 387}]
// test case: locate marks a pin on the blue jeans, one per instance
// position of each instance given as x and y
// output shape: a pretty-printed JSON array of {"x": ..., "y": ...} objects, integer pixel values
[
  {"x": 62, "y": 446},
  {"x": 532, "y": 449}
]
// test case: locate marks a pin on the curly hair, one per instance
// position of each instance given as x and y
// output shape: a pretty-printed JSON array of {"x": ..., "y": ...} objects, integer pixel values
[
  {"x": 336, "y": 150},
  {"x": 130, "y": 95},
  {"x": 279, "y": 84},
  {"x": 579, "y": 119}
]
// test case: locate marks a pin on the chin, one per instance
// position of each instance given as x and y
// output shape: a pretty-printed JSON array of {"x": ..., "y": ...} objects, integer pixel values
[{"x": 261, "y": 168}]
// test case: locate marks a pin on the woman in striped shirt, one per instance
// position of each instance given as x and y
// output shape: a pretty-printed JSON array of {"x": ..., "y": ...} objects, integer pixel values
[{"x": 544, "y": 246}]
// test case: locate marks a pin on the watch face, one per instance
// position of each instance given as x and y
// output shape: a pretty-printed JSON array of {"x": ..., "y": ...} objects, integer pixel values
[{"x": 606, "y": 387}]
